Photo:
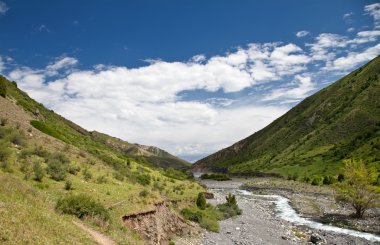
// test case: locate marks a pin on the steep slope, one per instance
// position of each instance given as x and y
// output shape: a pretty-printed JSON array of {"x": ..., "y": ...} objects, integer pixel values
[
  {"x": 340, "y": 121},
  {"x": 44, "y": 158},
  {"x": 150, "y": 154}
]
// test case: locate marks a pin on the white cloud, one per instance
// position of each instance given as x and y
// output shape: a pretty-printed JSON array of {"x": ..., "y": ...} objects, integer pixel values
[
  {"x": 2, "y": 65},
  {"x": 148, "y": 104},
  {"x": 297, "y": 90},
  {"x": 354, "y": 58},
  {"x": 351, "y": 29},
  {"x": 3, "y": 8},
  {"x": 302, "y": 33},
  {"x": 43, "y": 28},
  {"x": 374, "y": 11},
  {"x": 348, "y": 15}
]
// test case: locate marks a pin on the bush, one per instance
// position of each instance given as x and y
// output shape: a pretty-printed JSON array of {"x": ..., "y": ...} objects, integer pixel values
[
  {"x": 3, "y": 121},
  {"x": 327, "y": 180},
  {"x": 218, "y": 177},
  {"x": 68, "y": 185},
  {"x": 3, "y": 87},
  {"x": 56, "y": 170},
  {"x": 39, "y": 172},
  {"x": 87, "y": 174},
  {"x": 143, "y": 179},
  {"x": 201, "y": 201},
  {"x": 73, "y": 169},
  {"x": 101, "y": 179},
  {"x": 191, "y": 215},
  {"x": 230, "y": 208},
  {"x": 357, "y": 189},
  {"x": 17, "y": 139},
  {"x": 316, "y": 181},
  {"x": 5, "y": 152},
  {"x": 82, "y": 206},
  {"x": 340, "y": 177},
  {"x": 207, "y": 218},
  {"x": 144, "y": 193}
]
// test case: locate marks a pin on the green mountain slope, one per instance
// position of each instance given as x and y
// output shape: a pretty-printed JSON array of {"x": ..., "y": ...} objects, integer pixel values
[
  {"x": 340, "y": 121},
  {"x": 45, "y": 157}
]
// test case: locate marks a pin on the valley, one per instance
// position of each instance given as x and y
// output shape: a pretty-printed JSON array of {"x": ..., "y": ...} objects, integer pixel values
[{"x": 268, "y": 219}]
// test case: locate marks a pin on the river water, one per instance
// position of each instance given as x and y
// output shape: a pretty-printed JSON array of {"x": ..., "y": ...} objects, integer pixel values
[{"x": 285, "y": 211}]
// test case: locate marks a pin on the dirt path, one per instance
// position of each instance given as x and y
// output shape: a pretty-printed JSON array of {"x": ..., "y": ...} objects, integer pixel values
[{"x": 98, "y": 237}]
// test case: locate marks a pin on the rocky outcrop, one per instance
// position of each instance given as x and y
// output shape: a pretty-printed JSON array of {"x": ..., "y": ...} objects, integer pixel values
[{"x": 157, "y": 226}]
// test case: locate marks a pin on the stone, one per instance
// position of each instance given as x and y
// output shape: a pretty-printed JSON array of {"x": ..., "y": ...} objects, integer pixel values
[{"x": 315, "y": 238}]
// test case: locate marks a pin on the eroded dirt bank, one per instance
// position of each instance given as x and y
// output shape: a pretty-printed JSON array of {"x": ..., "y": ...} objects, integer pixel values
[{"x": 157, "y": 226}]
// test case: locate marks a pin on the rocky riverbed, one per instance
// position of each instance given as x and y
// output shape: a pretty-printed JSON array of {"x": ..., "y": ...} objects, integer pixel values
[{"x": 260, "y": 224}]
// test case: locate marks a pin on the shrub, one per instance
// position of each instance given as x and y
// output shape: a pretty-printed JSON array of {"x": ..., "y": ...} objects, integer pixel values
[
  {"x": 3, "y": 87},
  {"x": 340, "y": 177},
  {"x": 144, "y": 193},
  {"x": 230, "y": 208},
  {"x": 17, "y": 138},
  {"x": 316, "y": 181},
  {"x": 25, "y": 169},
  {"x": 87, "y": 174},
  {"x": 143, "y": 179},
  {"x": 82, "y": 206},
  {"x": 356, "y": 189},
  {"x": 327, "y": 180},
  {"x": 73, "y": 169},
  {"x": 5, "y": 152},
  {"x": 191, "y": 215},
  {"x": 3, "y": 121},
  {"x": 56, "y": 170},
  {"x": 68, "y": 185},
  {"x": 218, "y": 177},
  {"x": 39, "y": 172},
  {"x": 201, "y": 201},
  {"x": 118, "y": 176},
  {"x": 101, "y": 179}
]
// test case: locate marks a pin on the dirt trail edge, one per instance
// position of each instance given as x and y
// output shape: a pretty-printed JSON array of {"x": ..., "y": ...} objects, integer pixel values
[{"x": 98, "y": 237}]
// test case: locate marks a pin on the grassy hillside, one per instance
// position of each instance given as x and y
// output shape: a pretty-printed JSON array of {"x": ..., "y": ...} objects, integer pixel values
[
  {"x": 340, "y": 121},
  {"x": 45, "y": 158}
]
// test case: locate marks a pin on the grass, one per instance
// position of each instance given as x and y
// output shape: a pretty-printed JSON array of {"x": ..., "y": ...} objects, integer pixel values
[
  {"x": 207, "y": 218},
  {"x": 28, "y": 218},
  {"x": 31, "y": 207}
]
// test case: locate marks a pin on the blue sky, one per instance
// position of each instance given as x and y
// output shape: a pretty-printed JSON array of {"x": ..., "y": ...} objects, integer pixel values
[{"x": 190, "y": 77}]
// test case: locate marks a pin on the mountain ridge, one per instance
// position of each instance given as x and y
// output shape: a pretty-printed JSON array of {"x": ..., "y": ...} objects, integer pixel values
[{"x": 339, "y": 121}]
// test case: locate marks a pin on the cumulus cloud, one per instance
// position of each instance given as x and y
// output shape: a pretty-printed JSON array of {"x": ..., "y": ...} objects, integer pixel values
[
  {"x": 148, "y": 105},
  {"x": 354, "y": 58},
  {"x": 3, "y": 8},
  {"x": 302, "y": 33},
  {"x": 296, "y": 90}
]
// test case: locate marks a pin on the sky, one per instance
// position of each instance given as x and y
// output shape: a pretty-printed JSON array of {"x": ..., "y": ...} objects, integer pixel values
[{"x": 191, "y": 77}]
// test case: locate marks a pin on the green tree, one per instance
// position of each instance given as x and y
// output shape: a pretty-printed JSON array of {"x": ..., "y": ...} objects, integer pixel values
[
  {"x": 356, "y": 188},
  {"x": 201, "y": 201}
]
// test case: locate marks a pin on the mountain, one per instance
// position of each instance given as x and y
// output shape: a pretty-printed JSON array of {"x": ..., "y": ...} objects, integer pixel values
[
  {"x": 338, "y": 122},
  {"x": 50, "y": 165},
  {"x": 151, "y": 155}
]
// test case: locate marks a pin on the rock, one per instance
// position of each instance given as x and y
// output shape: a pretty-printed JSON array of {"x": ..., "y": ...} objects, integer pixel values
[
  {"x": 285, "y": 237},
  {"x": 208, "y": 195},
  {"x": 315, "y": 238},
  {"x": 237, "y": 228}
]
